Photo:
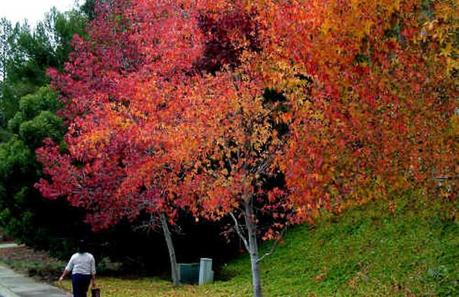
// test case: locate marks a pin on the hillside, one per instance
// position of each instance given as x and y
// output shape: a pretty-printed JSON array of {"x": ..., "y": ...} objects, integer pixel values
[{"x": 367, "y": 251}]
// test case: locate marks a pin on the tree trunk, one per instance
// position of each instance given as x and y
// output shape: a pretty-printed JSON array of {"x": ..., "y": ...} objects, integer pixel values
[
  {"x": 170, "y": 247},
  {"x": 253, "y": 248}
]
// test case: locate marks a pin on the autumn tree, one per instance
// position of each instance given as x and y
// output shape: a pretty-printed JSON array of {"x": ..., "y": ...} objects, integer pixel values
[
  {"x": 236, "y": 173},
  {"x": 121, "y": 104}
]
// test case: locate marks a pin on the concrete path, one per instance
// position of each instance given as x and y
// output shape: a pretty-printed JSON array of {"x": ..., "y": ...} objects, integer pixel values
[
  {"x": 13, "y": 284},
  {"x": 8, "y": 245}
]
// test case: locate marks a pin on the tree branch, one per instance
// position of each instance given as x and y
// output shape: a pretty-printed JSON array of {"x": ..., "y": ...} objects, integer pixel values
[
  {"x": 273, "y": 247},
  {"x": 237, "y": 227}
]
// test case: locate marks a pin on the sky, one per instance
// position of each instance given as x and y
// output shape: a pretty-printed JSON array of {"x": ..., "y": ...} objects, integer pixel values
[{"x": 32, "y": 10}]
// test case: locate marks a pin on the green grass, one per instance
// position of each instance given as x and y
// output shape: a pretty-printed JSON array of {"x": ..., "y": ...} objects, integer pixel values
[{"x": 367, "y": 251}]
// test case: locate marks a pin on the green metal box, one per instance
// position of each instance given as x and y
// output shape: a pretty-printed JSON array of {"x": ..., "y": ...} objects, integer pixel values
[{"x": 188, "y": 273}]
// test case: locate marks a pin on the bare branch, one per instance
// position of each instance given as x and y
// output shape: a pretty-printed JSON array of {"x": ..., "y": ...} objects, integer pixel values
[
  {"x": 239, "y": 231},
  {"x": 445, "y": 177},
  {"x": 152, "y": 224},
  {"x": 273, "y": 247}
]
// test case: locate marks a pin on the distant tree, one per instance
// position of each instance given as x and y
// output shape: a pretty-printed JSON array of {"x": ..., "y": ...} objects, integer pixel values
[
  {"x": 24, "y": 215},
  {"x": 29, "y": 109},
  {"x": 89, "y": 9},
  {"x": 5, "y": 33},
  {"x": 32, "y": 52}
]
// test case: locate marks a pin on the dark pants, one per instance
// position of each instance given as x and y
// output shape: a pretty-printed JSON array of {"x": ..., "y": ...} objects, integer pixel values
[{"x": 80, "y": 284}]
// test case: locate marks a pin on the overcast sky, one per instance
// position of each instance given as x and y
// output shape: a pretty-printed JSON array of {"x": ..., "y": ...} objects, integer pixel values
[{"x": 32, "y": 10}]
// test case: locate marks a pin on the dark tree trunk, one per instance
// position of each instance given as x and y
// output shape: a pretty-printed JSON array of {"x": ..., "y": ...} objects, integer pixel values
[{"x": 170, "y": 248}]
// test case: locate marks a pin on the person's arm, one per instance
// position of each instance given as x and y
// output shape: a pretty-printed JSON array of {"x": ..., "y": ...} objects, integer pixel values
[
  {"x": 64, "y": 274},
  {"x": 93, "y": 280},
  {"x": 67, "y": 269},
  {"x": 93, "y": 271}
]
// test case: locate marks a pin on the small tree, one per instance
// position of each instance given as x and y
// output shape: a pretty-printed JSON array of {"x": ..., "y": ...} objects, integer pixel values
[{"x": 233, "y": 172}]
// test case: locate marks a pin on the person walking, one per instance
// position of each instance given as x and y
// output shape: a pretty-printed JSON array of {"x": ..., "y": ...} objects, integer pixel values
[{"x": 82, "y": 265}]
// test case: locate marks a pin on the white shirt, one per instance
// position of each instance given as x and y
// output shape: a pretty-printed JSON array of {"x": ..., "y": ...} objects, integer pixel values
[{"x": 82, "y": 264}]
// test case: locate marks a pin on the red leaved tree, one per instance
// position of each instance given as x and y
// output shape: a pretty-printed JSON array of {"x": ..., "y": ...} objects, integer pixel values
[{"x": 123, "y": 107}]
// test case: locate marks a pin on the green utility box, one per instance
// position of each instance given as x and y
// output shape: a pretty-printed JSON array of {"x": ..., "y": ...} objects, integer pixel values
[{"x": 188, "y": 273}]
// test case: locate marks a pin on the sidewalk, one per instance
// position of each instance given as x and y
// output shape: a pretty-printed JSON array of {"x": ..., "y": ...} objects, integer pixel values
[
  {"x": 13, "y": 284},
  {"x": 8, "y": 245}
]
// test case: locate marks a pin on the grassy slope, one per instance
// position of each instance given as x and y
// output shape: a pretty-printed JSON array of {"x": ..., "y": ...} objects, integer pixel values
[
  {"x": 368, "y": 252},
  {"x": 365, "y": 252}
]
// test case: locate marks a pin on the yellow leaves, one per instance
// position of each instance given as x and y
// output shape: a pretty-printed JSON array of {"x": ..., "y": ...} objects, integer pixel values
[
  {"x": 435, "y": 31},
  {"x": 450, "y": 53},
  {"x": 279, "y": 77},
  {"x": 430, "y": 25},
  {"x": 301, "y": 211},
  {"x": 442, "y": 31},
  {"x": 452, "y": 64},
  {"x": 97, "y": 139},
  {"x": 326, "y": 27},
  {"x": 455, "y": 125},
  {"x": 367, "y": 28}
]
